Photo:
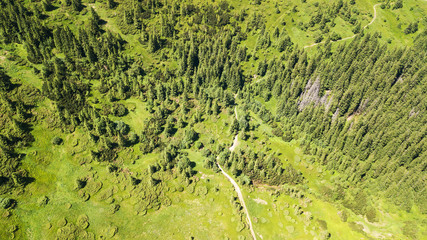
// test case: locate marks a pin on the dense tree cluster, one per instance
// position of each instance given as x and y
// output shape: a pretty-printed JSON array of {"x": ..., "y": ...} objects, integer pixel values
[
  {"x": 15, "y": 126},
  {"x": 20, "y": 25},
  {"x": 361, "y": 109},
  {"x": 259, "y": 167}
]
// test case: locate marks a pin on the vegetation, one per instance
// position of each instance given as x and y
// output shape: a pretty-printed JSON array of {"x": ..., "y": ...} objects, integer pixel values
[{"x": 117, "y": 117}]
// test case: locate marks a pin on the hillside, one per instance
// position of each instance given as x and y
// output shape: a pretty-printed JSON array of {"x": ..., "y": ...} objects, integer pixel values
[{"x": 261, "y": 119}]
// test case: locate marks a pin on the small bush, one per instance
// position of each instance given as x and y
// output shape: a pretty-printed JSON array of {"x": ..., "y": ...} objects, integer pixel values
[
  {"x": 6, "y": 203},
  {"x": 57, "y": 141},
  {"x": 371, "y": 214},
  {"x": 318, "y": 38},
  {"x": 43, "y": 201},
  {"x": 119, "y": 110},
  {"x": 335, "y": 36},
  {"x": 410, "y": 229},
  {"x": 398, "y": 4},
  {"x": 277, "y": 132},
  {"x": 199, "y": 145},
  {"x": 83, "y": 221},
  {"x": 81, "y": 183}
]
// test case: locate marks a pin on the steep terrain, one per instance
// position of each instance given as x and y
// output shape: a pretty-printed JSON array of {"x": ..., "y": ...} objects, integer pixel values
[{"x": 152, "y": 119}]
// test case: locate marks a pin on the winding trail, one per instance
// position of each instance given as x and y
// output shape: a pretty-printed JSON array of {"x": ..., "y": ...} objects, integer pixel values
[
  {"x": 346, "y": 38},
  {"x": 236, "y": 186},
  {"x": 236, "y": 138}
]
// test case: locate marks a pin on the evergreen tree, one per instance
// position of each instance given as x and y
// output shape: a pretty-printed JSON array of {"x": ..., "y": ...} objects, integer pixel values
[{"x": 77, "y": 5}]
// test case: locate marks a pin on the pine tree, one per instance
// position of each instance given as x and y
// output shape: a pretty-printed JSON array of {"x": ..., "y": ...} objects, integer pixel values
[
  {"x": 111, "y": 4},
  {"x": 215, "y": 108},
  {"x": 234, "y": 128},
  {"x": 77, "y": 5},
  {"x": 153, "y": 42}
]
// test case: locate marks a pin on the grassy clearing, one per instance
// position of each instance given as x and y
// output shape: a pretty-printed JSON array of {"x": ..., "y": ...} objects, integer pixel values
[
  {"x": 388, "y": 21},
  {"x": 55, "y": 169}
]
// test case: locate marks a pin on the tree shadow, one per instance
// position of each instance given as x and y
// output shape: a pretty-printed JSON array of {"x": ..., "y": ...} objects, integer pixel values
[
  {"x": 3, "y": 180},
  {"x": 173, "y": 131},
  {"x": 52, "y": 8},
  {"x": 28, "y": 180}
]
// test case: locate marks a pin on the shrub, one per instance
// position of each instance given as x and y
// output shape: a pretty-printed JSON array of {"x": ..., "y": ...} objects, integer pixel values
[
  {"x": 318, "y": 38},
  {"x": 57, "y": 141},
  {"x": 277, "y": 132},
  {"x": 81, "y": 183},
  {"x": 43, "y": 201},
  {"x": 6, "y": 203},
  {"x": 190, "y": 137},
  {"x": 199, "y": 145},
  {"x": 398, "y": 4},
  {"x": 119, "y": 110},
  {"x": 287, "y": 136},
  {"x": 83, "y": 221},
  {"x": 371, "y": 214},
  {"x": 410, "y": 229},
  {"x": 335, "y": 36},
  {"x": 206, "y": 152}
]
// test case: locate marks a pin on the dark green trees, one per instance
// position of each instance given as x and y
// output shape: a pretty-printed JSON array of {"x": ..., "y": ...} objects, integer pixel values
[
  {"x": 111, "y": 4},
  {"x": 93, "y": 23},
  {"x": 259, "y": 167},
  {"x": 398, "y": 4},
  {"x": 76, "y": 5},
  {"x": 154, "y": 42}
]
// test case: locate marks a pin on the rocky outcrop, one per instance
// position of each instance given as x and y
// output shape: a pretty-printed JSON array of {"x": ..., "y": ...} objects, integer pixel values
[{"x": 311, "y": 95}]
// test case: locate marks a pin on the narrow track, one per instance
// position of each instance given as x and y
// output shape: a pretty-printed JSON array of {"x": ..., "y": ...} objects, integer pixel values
[
  {"x": 346, "y": 38},
  {"x": 236, "y": 186}
]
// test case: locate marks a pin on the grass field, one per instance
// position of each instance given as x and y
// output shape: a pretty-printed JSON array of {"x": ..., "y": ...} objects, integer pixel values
[{"x": 51, "y": 206}]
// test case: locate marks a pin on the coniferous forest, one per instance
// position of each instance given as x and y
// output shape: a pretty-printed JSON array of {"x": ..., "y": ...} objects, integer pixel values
[{"x": 213, "y": 119}]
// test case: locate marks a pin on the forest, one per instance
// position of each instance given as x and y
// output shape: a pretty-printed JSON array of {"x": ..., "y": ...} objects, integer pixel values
[{"x": 250, "y": 119}]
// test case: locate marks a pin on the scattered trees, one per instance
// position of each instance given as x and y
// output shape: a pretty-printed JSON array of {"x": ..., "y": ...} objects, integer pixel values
[{"x": 381, "y": 88}]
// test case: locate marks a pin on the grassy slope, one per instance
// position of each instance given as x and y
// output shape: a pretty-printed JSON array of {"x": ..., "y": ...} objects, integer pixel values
[
  {"x": 386, "y": 22},
  {"x": 55, "y": 169}
]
